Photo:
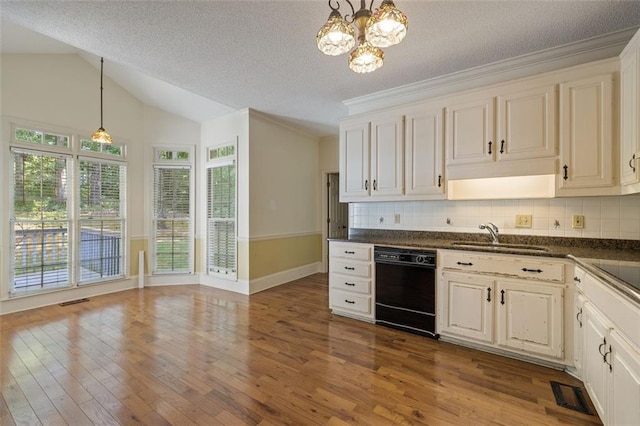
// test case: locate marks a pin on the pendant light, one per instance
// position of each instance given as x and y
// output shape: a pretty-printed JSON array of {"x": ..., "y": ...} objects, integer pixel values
[{"x": 101, "y": 134}]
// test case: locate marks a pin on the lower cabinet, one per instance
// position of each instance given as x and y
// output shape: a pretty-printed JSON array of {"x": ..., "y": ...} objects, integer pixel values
[
  {"x": 351, "y": 280},
  {"x": 610, "y": 353},
  {"x": 522, "y": 316}
]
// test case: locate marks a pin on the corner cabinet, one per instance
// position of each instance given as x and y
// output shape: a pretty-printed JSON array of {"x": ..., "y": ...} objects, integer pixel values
[
  {"x": 587, "y": 153},
  {"x": 392, "y": 156},
  {"x": 352, "y": 280},
  {"x": 504, "y": 303},
  {"x": 630, "y": 116},
  {"x": 610, "y": 356}
]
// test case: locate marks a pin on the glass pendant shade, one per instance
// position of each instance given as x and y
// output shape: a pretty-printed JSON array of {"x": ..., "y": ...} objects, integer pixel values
[
  {"x": 366, "y": 58},
  {"x": 387, "y": 25},
  {"x": 101, "y": 136},
  {"x": 336, "y": 36}
]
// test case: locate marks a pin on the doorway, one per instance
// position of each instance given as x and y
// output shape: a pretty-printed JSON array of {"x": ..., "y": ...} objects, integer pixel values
[{"x": 337, "y": 213}]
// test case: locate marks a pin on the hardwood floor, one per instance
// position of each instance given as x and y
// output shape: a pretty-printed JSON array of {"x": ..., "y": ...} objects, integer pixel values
[{"x": 186, "y": 355}]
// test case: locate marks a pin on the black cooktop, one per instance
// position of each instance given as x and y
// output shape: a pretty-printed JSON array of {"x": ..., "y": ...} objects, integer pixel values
[{"x": 630, "y": 274}]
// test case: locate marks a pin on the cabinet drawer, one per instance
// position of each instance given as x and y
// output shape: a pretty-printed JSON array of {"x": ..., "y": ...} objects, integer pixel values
[
  {"x": 351, "y": 284},
  {"x": 350, "y": 302},
  {"x": 346, "y": 267},
  {"x": 514, "y": 267},
  {"x": 351, "y": 251}
]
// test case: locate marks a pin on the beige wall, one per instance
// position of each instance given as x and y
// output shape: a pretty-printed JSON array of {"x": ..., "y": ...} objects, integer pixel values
[{"x": 329, "y": 154}]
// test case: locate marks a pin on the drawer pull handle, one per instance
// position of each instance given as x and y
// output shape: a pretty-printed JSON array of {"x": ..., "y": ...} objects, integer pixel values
[
  {"x": 566, "y": 173},
  {"x": 633, "y": 157},
  {"x": 576, "y": 279},
  {"x": 604, "y": 343},
  {"x": 502, "y": 146},
  {"x": 349, "y": 252},
  {"x": 532, "y": 270},
  {"x": 604, "y": 358},
  {"x": 465, "y": 264},
  {"x": 349, "y": 268},
  {"x": 350, "y": 284},
  {"x": 502, "y": 297},
  {"x": 579, "y": 317},
  {"x": 488, "y": 294},
  {"x": 366, "y": 185},
  {"x": 439, "y": 181},
  {"x": 350, "y": 301},
  {"x": 490, "y": 143}
]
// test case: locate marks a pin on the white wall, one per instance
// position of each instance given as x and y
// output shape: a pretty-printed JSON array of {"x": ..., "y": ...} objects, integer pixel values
[
  {"x": 605, "y": 217},
  {"x": 284, "y": 180}
]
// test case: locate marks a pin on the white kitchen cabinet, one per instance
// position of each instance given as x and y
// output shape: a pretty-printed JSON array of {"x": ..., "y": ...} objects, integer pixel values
[
  {"x": 523, "y": 141},
  {"x": 529, "y": 317},
  {"x": 514, "y": 304},
  {"x": 587, "y": 150},
  {"x": 354, "y": 160},
  {"x": 610, "y": 351},
  {"x": 371, "y": 158},
  {"x": 424, "y": 148},
  {"x": 351, "y": 280},
  {"x": 470, "y": 132},
  {"x": 467, "y": 306},
  {"x": 578, "y": 326},
  {"x": 629, "y": 116}
]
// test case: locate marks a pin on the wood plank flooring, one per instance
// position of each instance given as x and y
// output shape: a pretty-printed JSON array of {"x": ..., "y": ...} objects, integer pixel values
[{"x": 184, "y": 355}]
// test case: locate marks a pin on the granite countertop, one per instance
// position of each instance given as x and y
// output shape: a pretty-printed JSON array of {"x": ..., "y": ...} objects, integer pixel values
[{"x": 584, "y": 251}]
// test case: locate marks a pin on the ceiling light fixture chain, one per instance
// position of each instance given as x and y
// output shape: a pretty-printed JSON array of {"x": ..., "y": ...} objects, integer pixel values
[
  {"x": 385, "y": 27},
  {"x": 101, "y": 134}
]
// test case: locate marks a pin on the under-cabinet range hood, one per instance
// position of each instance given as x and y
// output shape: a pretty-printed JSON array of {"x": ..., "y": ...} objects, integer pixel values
[{"x": 539, "y": 186}]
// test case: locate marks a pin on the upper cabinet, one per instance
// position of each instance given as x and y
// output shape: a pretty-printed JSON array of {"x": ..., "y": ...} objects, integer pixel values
[
  {"x": 587, "y": 155},
  {"x": 507, "y": 131},
  {"x": 395, "y": 155},
  {"x": 629, "y": 116}
]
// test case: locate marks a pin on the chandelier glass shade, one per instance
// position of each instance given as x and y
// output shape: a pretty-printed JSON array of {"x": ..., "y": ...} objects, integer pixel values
[
  {"x": 101, "y": 134},
  {"x": 385, "y": 27}
]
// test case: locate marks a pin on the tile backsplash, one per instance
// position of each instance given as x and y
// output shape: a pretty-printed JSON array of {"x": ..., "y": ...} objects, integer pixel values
[{"x": 604, "y": 217}]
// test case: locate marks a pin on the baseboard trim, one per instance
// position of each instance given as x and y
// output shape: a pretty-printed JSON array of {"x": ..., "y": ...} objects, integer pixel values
[
  {"x": 178, "y": 279},
  {"x": 273, "y": 280}
]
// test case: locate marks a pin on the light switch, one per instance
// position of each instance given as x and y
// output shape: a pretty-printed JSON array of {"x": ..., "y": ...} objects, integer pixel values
[
  {"x": 578, "y": 221},
  {"x": 523, "y": 220}
]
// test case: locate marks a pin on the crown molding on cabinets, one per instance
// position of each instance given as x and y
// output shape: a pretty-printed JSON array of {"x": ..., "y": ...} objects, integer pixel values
[{"x": 594, "y": 49}]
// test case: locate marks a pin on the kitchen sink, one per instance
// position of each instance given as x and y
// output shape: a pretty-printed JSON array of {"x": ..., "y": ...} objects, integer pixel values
[{"x": 500, "y": 246}]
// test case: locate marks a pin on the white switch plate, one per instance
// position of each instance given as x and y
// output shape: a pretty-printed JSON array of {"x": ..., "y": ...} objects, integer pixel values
[
  {"x": 578, "y": 221},
  {"x": 396, "y": 218}
]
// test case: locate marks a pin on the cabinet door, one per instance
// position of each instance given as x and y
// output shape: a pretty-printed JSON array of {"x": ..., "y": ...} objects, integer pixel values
[
  {"x": 596, "y": 372},
  {"x": 578, "y": 332},
  {"x": 629, "y": 121},
  {"x": 467, "y": 306},
  {"x": 387, "y": 156},
  {"x": 586, "y": 134},
  {"x": 424, "y": 152},
  {"x": 526, "y": 124},
  {"x": 625, "y": 382},
  {"x": 470, "y": 132},
  {"x": 354, "y": 161},
  {"x": 529, "y": 318}
]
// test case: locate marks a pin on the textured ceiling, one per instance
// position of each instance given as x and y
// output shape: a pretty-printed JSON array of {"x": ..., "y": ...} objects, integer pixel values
[{"x": 262, "y": 54}]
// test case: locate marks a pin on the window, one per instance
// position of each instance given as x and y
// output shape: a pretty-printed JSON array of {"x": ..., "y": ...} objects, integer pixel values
[
  {"x": 67, "y": 211},
  {"x": 172, "y": 206},
  {"x": 40, "y": 221},
  {"x": 101, "y": 223},
  {"x": 221, "y": 211}
]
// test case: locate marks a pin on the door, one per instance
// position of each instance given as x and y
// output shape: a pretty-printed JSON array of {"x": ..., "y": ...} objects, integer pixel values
[
  {"x": 596, "y": 372},
  {"x": 338, "y": 213},
  {"x": 470, "y": 132},
  {"x": 625, "y": 390},
  {"x": 526, "y": 124},
  {"x": 629, "y": 110},
  {"x": 578, "y": 332},
  {"x": 387, "y": 158},
  {"x": 586, "y": 155},
  {"x": 529, "y": 317},
  {"x": 424, "y": 152},
  {"x": 467, "y": 307},
  {"x": 354, "y": 160}
]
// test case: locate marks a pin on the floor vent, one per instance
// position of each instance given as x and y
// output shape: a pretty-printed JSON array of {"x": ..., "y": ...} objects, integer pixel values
[
  {"x": 571, "y": 397},
  {"x": 73, "y": 302}
]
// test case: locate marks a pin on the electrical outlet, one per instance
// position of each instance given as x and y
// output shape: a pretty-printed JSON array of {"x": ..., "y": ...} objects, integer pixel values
[
  {"x": 396, "y": 218},
  {"x": 578, "y": 221},
  {"x": 523, "y": 220}
]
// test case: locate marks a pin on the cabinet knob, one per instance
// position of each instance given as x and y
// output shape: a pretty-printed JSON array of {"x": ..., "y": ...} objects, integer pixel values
[{"x": 576, "y": 279}]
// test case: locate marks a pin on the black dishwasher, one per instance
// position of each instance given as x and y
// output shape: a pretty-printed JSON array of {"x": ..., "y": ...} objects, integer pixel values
[{"x": 406, "y": 289}]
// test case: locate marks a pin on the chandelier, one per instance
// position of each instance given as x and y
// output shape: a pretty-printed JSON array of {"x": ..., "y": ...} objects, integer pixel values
[{"x": 385, "y": 27}]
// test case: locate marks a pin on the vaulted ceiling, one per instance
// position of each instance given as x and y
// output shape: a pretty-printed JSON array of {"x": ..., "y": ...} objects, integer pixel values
[{"x": 202, "y": 59}]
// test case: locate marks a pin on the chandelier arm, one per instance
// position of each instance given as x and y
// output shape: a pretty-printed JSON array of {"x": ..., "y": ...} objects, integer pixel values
[
  {"x": 371, "y": 6},
  {"x": 101, "y": 71},
  {"x": 349, "y": 18}
]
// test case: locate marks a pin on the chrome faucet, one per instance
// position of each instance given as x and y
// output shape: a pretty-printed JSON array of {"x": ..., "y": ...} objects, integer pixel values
[{"x": 493, "y": 230}]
